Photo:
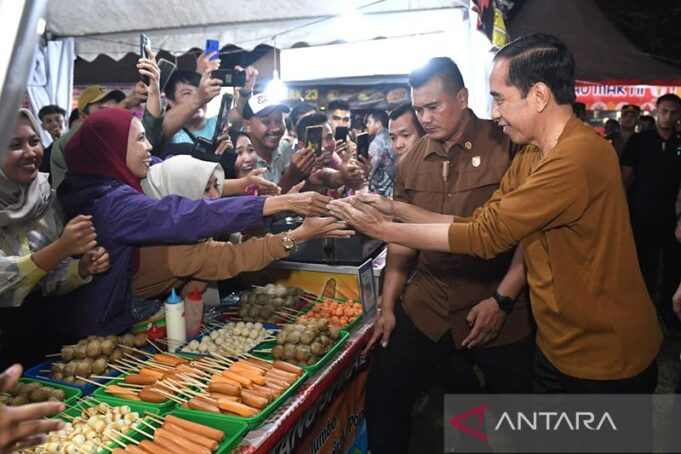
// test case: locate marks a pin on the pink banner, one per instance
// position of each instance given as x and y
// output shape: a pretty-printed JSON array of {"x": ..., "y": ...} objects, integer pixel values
[{"x": 613, "y": 97}]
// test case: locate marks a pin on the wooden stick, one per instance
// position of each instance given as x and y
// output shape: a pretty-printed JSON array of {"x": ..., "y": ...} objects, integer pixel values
[
  {"x": 121, "y": 434},
  {"x": 128, "y": 363},
  {"x": 129, "y": 385},
  {"x": 191, "y": 380},
  {"x": 170, "y": 396},
  {"x": 103, "y": 377},
  {"x": 148, "y": 425},
  {"x": 154, "y": 345},
  {"x": 222, "y": 359},
  {"x": 154, "y": 417},
  {"x": 115, "y": 440},
  {"x": 137, "y": 350},
  {"x": 52, "y": 355},
  {"x": 149, "y": 436},
  {"x": 64, "y": 415},
  {"x": 90, "y": 381},
  {"x": 100, "y": 445},
  {"x": 118, "y": 369},
  {"x": 148, "y": 362},
  {"x": 212, "y": 361},
  {"x": 186, "y": 392},
  {"x": 203, "y": 367}
]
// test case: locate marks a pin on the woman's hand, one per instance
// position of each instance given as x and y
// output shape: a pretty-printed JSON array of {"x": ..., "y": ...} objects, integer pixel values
[
  {"x": 25, "y": 425},
  {"x": 204, "y": 62},
  {"x": 95, "y": 261},
  {"x": 78, "y": 237},
  {"x": 363, "y": 217},
  {"x": 316, "y": 227},
  {"x": 266, "y": 187},
  {"x": 224, "y": 144}
]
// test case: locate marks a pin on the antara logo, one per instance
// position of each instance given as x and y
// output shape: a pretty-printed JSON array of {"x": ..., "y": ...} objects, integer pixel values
[
  {"x": 552, "y": 421},
  {"x": 478, "y": 411},
  {"x": 538, "y": 420}
]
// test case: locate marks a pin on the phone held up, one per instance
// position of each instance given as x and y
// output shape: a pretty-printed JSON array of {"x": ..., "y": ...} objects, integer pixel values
[
  {"x": 341, "y": 133},
  {"x": 213, "y": 45},
  {"x": 167, "y": 69},
  {"x": 204, "y": 149},
  {"x": 363, "y": 144},
  {"x": 313, "y": 139},
  {"x": 144, "y": 43},
  {"x": 230, "y": 77},
  {"x": 223, "y": 116}
]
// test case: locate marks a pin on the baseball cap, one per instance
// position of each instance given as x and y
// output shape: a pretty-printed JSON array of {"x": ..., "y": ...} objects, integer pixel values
[
  {"x": 261, "y": 106},
  {"x": 630, "y": 108},
  {"x": 96, "y": 93}
]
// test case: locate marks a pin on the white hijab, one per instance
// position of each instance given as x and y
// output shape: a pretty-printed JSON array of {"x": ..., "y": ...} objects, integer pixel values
[
  {"x": 20, "y": 203},
  {"x": 181, "y": 175}
]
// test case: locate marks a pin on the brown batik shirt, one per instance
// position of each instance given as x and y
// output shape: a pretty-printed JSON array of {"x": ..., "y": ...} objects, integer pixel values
[{"x": 444, "y": 286}]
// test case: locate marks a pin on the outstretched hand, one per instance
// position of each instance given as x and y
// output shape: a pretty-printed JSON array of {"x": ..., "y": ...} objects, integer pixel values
[
  {"x": 25, "y": 425},
  {"x": 362, "y": 216}
]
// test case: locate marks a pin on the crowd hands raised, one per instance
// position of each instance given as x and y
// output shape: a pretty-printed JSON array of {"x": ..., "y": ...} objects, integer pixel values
[
  {"x": 157, "y": 203},
  {"x": 58, "y": 245}
]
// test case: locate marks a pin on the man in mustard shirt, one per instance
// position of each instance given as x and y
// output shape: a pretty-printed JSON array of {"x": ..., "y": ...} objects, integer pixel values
[{"x": 597, "y": 331}]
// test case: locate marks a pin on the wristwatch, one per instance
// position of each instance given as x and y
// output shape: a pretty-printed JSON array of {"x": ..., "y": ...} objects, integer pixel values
[
  {"x": 505, "y": 302},
  {"x": 287, "y": 241}
]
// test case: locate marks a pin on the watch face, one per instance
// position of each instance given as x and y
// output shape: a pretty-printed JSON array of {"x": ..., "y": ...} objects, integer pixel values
[{"x": 287, "y": 242}]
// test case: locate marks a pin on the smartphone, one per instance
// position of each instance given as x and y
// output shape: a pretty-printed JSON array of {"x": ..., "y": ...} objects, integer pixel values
[
  {"x": 213, "y": 45},
  {"x": 223, "y": 116},
  {"x": 313, "y": 139},
  {"x": 341, "y": 133},
  {"x": 167, "y": 69},
  {"x": 204, "y": 150},
  {"x": 144, "y": 43},
  {"x": 230, "y": 77},
  {"x": 363, "y": 144}
]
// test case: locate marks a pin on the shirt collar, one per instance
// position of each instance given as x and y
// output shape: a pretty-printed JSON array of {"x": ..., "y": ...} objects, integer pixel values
[
  {"x": 467, "y": 140},
  {"x": 275, "y": 155}
]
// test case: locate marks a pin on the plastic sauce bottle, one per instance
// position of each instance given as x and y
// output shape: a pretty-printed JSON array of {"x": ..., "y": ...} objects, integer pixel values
[
  {"x": 194, "y": 311},
  {"x": 175, "y": 321}
]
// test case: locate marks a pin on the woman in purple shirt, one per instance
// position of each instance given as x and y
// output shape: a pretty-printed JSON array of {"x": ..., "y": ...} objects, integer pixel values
[{"x": 107, "y": 158}]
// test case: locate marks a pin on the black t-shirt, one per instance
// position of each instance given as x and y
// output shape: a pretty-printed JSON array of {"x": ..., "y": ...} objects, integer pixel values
[
  {"x": 45, "y": 164},
  {"x": 657, "y": 173}
]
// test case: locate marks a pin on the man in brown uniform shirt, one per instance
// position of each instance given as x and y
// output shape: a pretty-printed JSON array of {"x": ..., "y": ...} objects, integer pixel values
[
  {"x": 597, "y": 331},
  {"x": 446, "y": 311}
]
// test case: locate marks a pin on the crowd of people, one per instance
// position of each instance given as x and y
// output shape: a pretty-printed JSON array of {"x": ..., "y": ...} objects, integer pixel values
[{"x": 526, "y": 247}]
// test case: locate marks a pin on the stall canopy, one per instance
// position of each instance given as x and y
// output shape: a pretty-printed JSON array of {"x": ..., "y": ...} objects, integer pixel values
[
  {"x": 113, "y": 27},
  {"x": 356, "y": 38},
  {"x": 603, "y": 54}
]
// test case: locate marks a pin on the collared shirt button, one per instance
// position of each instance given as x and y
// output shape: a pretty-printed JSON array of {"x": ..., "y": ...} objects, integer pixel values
[{"x": 449, "y": 195}]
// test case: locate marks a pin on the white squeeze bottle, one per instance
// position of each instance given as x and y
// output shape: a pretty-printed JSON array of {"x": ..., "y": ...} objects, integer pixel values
[
  {"x": 175, "y": 322},
  {"x": 194, "y": 312}
]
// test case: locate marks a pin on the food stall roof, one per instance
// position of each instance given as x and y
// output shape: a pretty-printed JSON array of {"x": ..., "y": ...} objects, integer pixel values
[{"x": 113, "y": 27}]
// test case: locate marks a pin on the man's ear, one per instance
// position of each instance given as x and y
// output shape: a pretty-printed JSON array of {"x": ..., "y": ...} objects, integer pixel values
[
  {"x": 247, "y": 126},
  {"x": 541, "y": 95},
  {"x": 462, "y": 96}
]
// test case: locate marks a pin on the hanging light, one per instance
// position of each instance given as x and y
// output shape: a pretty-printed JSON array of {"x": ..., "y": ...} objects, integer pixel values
[{"x": 276, "y": 89}]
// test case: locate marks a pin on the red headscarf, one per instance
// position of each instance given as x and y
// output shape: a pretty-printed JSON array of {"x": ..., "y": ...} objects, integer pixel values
[{"x": 100, "y": 146}]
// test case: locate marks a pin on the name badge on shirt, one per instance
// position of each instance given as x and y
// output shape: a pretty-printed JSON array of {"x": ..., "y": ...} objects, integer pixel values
[{"x": 475, "y": 161}]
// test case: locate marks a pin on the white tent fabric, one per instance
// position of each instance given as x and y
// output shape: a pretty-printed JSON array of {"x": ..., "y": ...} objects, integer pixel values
[
  {"x": 459, "y": 39},
  {"x": 113, "y": 27},
  {"x": 51, "y": 80}
]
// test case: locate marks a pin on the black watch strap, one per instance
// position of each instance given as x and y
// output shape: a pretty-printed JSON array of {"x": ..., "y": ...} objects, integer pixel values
[{"x": 505, "y": 302}]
